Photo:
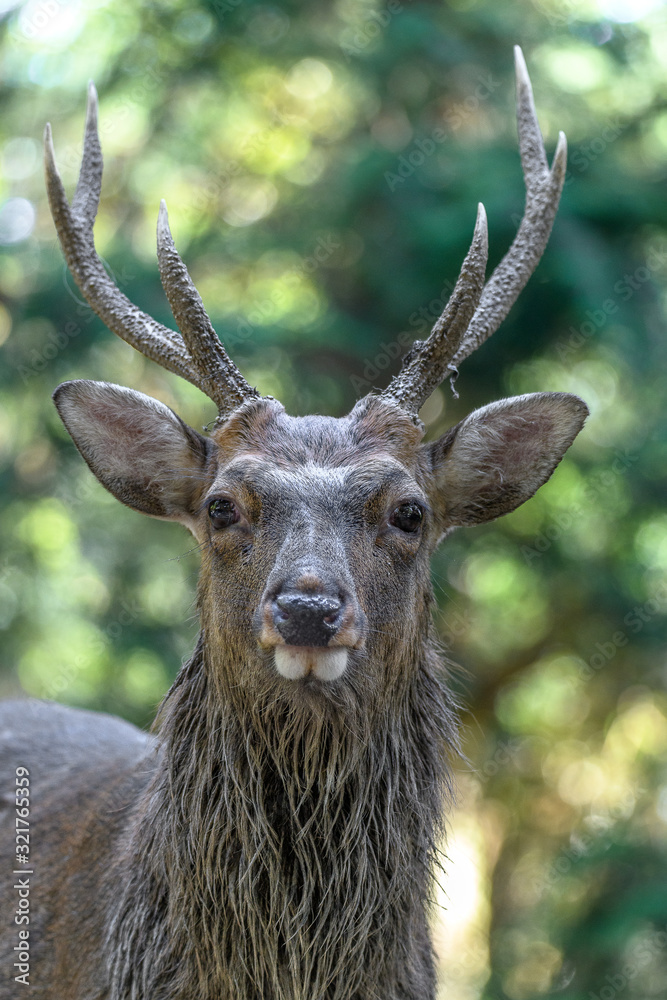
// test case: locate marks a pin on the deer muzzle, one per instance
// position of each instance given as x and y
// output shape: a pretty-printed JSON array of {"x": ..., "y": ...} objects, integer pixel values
[
  {"x": 307, "y": 622},
  {"x": 311, "y": 620}
]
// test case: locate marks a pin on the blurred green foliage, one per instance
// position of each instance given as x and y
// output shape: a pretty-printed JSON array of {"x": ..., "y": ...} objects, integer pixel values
[{"x": 323, "y": 215}]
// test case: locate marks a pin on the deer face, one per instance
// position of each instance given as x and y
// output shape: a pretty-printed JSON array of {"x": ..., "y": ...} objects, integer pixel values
[
  {"x": 316, "y": 532},
  {"x": 328, "y": 522}
]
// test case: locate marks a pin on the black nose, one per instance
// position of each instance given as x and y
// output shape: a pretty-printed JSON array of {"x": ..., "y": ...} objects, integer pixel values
[{"x": 306, "y": 619}]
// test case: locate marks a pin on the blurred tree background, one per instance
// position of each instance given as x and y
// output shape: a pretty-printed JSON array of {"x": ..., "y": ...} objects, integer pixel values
[{"x": 322, "y": 164}]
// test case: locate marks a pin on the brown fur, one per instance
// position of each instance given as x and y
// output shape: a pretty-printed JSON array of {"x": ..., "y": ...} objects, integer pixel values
[{"x": 275, "y": 839}]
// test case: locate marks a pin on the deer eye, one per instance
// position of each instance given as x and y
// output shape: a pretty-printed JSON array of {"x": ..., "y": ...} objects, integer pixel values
[
  {"x": 222, "y": 513},
  {"x": 408, "y": 517}
]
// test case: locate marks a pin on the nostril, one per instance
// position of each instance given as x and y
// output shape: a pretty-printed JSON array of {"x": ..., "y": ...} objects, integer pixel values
[{"x": 306, "y": 619}]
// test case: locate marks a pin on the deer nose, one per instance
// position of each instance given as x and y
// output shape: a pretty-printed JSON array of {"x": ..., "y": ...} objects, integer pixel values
[{"x": 307, "y": 619}]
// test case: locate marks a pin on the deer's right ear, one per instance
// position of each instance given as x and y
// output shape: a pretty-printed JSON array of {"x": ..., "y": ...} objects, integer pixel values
[{"x": 137, "y": 447}]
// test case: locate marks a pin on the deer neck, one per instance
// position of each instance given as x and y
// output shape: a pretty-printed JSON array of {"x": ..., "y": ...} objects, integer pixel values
[{"x": 265, "y": 833}]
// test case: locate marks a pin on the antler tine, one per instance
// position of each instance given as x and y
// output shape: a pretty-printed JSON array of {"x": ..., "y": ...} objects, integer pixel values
[
  {"x": 427, "y": 363},
  {"x": 224, "y": 382},
  {"x": 543, "y": 191},
  {"x": 89, "y": 184},
  {"x": 74, "y": 225},
  {"x": 475, "y": 311}
]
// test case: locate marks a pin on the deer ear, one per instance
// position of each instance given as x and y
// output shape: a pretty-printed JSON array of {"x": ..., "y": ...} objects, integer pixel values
[
  {"x": 137, "y": 447},
  {"x": 498, "y": 457}
]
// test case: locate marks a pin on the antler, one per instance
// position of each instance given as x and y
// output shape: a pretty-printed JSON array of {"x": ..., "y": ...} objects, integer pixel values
[
  {"x": 475, "y": 311},
  {"x": 197, "y": 355}
]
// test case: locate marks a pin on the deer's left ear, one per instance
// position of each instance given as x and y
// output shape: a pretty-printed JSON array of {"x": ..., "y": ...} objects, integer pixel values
[{"x": 497, "y": 458}]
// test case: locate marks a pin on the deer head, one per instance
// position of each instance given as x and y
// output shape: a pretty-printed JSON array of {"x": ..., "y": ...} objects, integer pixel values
[{"x": 315, "y": 532}]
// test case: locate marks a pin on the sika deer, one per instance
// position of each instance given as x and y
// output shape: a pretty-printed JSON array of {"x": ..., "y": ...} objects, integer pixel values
[{"x": 275, "y": 838}]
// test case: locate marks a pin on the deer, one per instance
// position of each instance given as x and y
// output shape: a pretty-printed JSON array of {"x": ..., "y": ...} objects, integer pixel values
[{"x": 276, "y": 835}]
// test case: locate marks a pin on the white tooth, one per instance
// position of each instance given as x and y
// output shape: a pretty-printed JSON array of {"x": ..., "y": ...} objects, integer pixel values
[
  {"x": 330, "y": 664},
  {"x": 290, "y": 662},
  {"x": 294, "y": 662}
]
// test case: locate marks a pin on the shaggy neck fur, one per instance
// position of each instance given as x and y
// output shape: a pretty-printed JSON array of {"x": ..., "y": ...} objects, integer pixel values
[{"x": 282, "y": 854}]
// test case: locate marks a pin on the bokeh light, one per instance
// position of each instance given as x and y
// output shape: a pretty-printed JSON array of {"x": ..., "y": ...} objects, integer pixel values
[{"x": 281, "y": 138}]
